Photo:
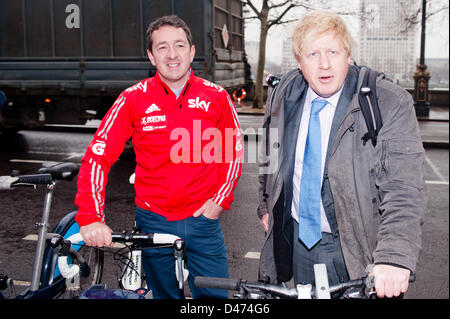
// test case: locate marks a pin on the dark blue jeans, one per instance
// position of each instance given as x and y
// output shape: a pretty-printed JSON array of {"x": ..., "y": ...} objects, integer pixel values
[{"x": 205, "y": 250}]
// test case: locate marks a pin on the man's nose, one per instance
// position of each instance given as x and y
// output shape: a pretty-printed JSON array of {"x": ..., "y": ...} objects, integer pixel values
[
  {"x": 172, "y": 52},
  {"x": 324, "y": 61}
]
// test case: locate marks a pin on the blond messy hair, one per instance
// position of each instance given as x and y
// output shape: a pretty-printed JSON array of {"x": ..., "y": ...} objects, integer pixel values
[{"x": 317, "y": 23}]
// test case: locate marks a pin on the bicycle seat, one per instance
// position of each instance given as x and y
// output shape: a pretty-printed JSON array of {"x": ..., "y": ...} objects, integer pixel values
[{"x": 61, "y": 171}]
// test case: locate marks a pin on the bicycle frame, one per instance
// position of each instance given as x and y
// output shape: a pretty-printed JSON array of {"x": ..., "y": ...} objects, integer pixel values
[
  {"x": 49, "y": 276},
  {"x": 50, "y": 283},
  {"x": 34, "y": 291},
  {"x": 47, "y": 281},
  {"x": 129, "y": 288}
]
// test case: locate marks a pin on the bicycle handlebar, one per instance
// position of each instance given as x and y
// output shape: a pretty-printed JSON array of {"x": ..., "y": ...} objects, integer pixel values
[
  {"x": 300, "y": 292},
  {"x": 70, "y": 271},
  {"x": 238, "y": 284},
  {"x": 9, "y": 182},
  {"x": 151, "y": 238},
  {"x": 38, "y": 179},
  {"x": 46, "y": 176},
  {"x": 219, "y": 283}
]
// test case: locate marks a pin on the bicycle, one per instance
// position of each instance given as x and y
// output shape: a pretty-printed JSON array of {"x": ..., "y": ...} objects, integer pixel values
[
  {"x": 47, "y": 281},
  {"x": 131, "y": 281},
  {"x": 362, "y": 288},
  {"x": 64, "y": 264}
]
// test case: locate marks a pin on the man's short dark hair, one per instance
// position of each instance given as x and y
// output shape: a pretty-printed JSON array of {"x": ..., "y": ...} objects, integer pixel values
[{"x": 171, "y": 20}]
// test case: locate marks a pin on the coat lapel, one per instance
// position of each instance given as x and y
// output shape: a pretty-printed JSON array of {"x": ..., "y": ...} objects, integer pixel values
[
  {"x": 342, "y": 109},
  {"x": 293, "y": 109}
]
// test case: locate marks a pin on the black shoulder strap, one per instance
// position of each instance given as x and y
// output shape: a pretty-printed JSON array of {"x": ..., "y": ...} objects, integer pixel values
[
  {"x": 275, "y": 83},
  {"x": 369, "y": 106}
]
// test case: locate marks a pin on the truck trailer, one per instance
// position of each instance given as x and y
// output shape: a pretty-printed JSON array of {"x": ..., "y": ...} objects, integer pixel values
[{"x": 66, "y": 61}]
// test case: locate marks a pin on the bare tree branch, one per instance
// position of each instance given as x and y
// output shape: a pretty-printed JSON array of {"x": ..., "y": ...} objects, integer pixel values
[
  {"x": 273, "y": 6},
  {"x": 252, "y": 6},
  {"x": 277, "y": 20},
  {"x": 251, "y": 18},
  {"x": 283, "y": 22},
  {"x": 412, "y": 18}
]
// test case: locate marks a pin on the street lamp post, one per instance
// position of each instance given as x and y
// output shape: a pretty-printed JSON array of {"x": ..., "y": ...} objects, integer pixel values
[{"x": 422, "y": 76}]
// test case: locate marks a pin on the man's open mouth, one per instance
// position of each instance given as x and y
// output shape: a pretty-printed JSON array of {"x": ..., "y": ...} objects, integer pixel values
[{"x": 326, "y": 78}]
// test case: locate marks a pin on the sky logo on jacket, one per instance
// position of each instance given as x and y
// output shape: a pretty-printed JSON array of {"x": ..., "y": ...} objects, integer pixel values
[
  {"x": 213, "y": 85},
  {"x": 139, "y": 86},
  {"x": 196, "y": 103}
]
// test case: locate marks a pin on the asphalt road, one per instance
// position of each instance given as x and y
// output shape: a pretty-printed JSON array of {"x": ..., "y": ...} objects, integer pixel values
[{"x": 20, "y": 209}]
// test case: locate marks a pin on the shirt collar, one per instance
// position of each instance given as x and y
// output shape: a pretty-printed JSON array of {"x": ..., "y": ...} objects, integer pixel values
[
  {"x": 167, "y": 89},
  {"x": 332, "y": 100}
]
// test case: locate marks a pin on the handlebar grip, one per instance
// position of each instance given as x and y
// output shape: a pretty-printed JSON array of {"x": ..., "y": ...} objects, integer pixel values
[
  {"x": 44, "y": 179},
  {"x": 216, "y": 282},
  {"x": 75, "y": 238},
  {"x": 66, "y": 270},
  {"x": 7, "y": 181}
]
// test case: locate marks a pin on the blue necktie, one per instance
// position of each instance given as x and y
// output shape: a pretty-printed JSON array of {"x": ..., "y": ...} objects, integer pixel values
[{"x": 309, "y": 229}]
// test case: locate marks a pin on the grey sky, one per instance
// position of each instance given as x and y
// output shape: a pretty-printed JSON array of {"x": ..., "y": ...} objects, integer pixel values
[{"x": 437, "y": 36}]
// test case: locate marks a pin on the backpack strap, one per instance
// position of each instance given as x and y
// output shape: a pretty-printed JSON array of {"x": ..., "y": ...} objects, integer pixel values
[
  {"x": 368, "y": 102},
  {"x": 276, "y": 84}
]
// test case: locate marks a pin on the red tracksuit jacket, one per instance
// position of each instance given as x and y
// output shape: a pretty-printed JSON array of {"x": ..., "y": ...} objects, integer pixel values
[{"x": 188, "y": 149}]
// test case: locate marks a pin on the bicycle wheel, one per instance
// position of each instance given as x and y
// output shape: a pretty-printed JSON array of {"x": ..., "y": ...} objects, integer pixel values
[
  {"x": 93, "y": 256},
  {"x": 94, "y": 259}
]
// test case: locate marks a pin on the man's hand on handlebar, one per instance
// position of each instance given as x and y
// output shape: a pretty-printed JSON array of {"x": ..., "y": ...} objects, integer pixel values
[
  {"x": 96, "y": 234},
  {"x": 390, "y": 281}
]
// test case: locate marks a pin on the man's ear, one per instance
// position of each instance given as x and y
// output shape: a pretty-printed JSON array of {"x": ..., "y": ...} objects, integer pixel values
[
  {"x": 151, "y": 58},
  {"x": 350, "y": 60},
  {"x": 192, "y": 53},
  {"x": 299, "y": 64}
]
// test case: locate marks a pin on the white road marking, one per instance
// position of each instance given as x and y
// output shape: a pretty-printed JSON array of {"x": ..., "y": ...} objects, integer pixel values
[
  {"x": 253, "y": 255},
  {"x": 437, "y": 182},
  {"x": 48, "y": 153},
  {"x": 31, "y": 237},
  {"x": 434, "y": 168},
  {"x": 74, "y": 155},
  {"x": 67, "y": 157},
  {"x": 22, "y": 283},
  {"x": 15, "y": 160}
]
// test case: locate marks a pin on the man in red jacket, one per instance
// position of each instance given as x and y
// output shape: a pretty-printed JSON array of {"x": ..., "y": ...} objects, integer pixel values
[{"x": 188, "y": 147}]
